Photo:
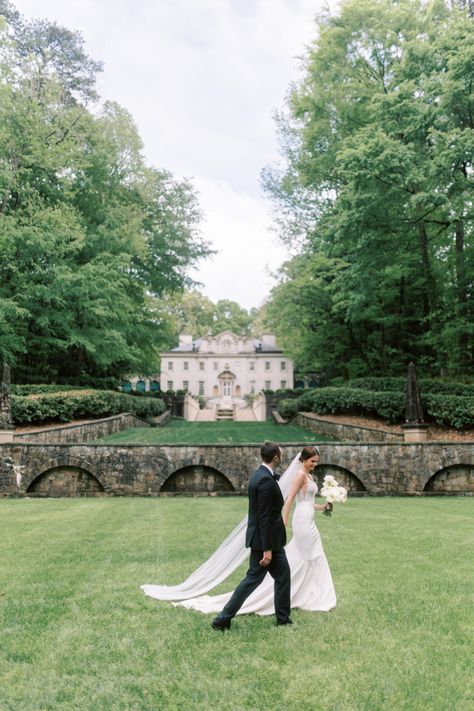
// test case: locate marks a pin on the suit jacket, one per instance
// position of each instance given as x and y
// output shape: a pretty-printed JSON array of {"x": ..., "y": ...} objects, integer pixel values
[{"x": 265, "y": 529}]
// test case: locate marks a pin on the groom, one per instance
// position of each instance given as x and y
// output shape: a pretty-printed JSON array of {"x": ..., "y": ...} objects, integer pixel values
[{"x": 266, "y": 536}]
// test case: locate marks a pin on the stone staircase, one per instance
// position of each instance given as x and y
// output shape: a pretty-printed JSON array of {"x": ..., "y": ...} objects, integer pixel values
[{"x": 224, "y": 413}]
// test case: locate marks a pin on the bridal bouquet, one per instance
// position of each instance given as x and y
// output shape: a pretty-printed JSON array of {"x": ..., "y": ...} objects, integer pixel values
[{"x": 333, "y": 493}]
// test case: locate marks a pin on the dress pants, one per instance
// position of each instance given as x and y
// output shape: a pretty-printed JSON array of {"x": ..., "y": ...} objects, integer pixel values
[{"x": 280, "y": 572}]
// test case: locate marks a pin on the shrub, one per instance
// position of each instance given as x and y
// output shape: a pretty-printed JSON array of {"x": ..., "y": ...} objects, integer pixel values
[
  {"x": 288, "y": 408},
  {"x": 426, "y": 385},
  {"x": 47, "y": 407},
  {"x": 453, "y": 410},
  {"x": 449, "y": 410}
]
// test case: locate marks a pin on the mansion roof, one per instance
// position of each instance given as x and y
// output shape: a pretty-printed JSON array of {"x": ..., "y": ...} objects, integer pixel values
[{"x": 227, "y": 342}]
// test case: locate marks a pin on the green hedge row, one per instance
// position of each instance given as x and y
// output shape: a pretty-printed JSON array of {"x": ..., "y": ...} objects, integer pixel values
[
  {"x": 49, "y": 407},
  {"x": 426, "y": 385},
  {"x": 449, "y": 410},
  {"x": 43, "y": 388}
]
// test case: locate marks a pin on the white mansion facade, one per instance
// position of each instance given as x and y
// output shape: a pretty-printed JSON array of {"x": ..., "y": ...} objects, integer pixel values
[{"x": 225, "y": 366}]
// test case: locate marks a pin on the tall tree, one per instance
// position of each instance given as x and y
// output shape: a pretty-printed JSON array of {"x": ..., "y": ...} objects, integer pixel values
[
  {"x": 378, "y": 143},
  {"x": 90, "y": 236}
]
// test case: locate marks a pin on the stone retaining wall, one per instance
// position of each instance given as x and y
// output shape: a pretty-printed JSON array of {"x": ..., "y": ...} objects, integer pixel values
[
  {"x": 84, "y": 432},
  {"x": 382, "y": 468},
  {"x": 348, "y": 433}
]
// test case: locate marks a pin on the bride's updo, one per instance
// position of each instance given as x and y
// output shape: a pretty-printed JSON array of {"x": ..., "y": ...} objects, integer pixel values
[{"x": 308, "y": 452}]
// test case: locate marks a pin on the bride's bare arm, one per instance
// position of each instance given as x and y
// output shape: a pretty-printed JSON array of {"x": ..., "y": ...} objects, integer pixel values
[{"x": 298, "y": 482}]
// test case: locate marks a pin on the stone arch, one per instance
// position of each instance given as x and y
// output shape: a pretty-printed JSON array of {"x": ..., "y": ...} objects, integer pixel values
[
  {"x": 65, "y": 480},
  {"x": 453, "y": 479},
  {"x": 127, "y": 386},
  {"x": 197, "y": 479},
  {"x": 67, "y": 461},
  {"x": 343, "y": 476},
  {"x": 140, "y": 386}
]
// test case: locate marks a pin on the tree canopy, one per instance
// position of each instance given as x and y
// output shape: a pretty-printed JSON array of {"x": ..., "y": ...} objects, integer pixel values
[
  {"x": 91, "y": 237},
  {"x": 375, "y": 200}
]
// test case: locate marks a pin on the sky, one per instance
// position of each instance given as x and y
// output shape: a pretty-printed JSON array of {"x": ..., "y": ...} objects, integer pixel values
[{"x": 202, "y": 80}]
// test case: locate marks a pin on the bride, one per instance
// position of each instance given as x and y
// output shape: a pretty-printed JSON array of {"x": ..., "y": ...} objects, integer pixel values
[{"x": 311, "y": 582}]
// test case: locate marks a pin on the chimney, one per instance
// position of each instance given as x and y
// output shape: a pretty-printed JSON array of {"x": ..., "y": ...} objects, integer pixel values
[{"x": 269, "y": 339}]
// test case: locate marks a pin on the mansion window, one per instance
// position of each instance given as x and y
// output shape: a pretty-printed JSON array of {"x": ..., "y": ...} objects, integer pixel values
[
  {"x": 283, "y": 365},
  {"x": 185, "y": 365},
  {"x": 267, "y": 365},
  {"x": 170, "y": 365},
  {"x": 252, "y": 365},
  {"x": 268, "y": 384},
  {"x": 169, "y": 385},
  {"x": 201, "y": 388},
  {"x": 186, "y": 385},
  {"x": 216, "y": 365},
  {"x": 201, "y": 365},
  {"x": 252, "y": 387},
  {"x": 283, "y": 384}
]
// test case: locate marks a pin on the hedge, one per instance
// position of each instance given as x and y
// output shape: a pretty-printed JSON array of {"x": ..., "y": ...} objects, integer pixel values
[
  {"x": 49, "y": 407},
  {"x": 389, "y": 384},
  {"x": 452, "y": 410}
]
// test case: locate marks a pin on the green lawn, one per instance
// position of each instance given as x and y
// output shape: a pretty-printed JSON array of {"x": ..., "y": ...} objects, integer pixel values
[
  {"x": 182, "y": 432},
  {"x": 77, "y": 633}
]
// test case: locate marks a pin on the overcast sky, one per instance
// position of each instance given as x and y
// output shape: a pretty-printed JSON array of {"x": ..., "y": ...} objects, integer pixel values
[{"x": 202, "y": 79}]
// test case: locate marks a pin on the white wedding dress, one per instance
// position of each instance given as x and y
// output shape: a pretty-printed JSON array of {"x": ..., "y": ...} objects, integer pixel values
[{"x": 311, "y": 582}]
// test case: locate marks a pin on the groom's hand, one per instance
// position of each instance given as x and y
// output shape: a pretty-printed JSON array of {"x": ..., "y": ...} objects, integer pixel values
[{"x": 267, "y": 558}]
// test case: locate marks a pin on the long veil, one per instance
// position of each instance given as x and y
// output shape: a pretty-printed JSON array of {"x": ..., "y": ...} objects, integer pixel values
[{"x": 227, "y": 558}]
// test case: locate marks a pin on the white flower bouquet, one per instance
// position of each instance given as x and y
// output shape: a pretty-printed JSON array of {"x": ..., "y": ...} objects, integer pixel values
[{"x": 333, "y": 493}]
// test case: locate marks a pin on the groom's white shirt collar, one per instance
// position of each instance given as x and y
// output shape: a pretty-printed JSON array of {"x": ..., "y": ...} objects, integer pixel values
[{"x": 268, "y": 467}]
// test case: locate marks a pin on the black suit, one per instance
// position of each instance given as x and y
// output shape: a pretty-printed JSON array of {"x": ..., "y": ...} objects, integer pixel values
[{"x": 265, "y": 531}]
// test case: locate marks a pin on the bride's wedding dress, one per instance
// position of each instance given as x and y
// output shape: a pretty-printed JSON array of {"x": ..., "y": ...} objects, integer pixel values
[{"x": 311, "y": 582}]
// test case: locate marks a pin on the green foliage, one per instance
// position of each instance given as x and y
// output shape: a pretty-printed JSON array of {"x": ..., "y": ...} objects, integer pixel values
[
  {"x": 446, "y": 409},
  {"x": 46, "y": 407},
  {"x": 43, "y": 388},
  {"x": 192, "y": 313},
  {"x": 90, "y": 236},
  {"x": 426, "y": 385},
  {"x": 449, "y": 410},
  {"x": 377, "y": 197}
]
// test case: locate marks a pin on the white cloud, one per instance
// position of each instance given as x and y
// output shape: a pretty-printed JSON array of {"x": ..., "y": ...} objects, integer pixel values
[
  {"x": 202, "y": 79},
  {"x": 238, "y": 224}
]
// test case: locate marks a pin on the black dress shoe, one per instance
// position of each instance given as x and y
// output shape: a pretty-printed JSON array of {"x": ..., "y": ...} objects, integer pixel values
[
  {"x": 285, "y": 622},
  {"x": 220, "y": 624}
]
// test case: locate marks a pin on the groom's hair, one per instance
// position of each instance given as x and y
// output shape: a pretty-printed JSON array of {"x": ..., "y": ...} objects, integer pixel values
[{"x": 268, "y": 451}]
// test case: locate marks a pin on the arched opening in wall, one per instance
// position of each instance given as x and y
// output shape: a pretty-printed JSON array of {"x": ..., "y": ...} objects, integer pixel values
[
  {"x": 197, "y": 481},
  {"x": 126, "y": 386},
  {"x": 154, "y": 386},
  {"x": 455, "y": 479},
  {"x": 140, "y": 387},
  {"x": 65, "y": 481},
  {"x": 299, "y": 384},
  {"x": 343, "y": 476}
]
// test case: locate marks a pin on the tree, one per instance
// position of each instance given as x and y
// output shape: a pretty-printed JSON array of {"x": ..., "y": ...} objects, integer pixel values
[
  {"x": 378, "y": 143},
  {"x": 90, "y": 236}
]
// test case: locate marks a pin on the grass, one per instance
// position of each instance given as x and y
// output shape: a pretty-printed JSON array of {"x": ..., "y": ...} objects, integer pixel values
[
  {"x": 77, "y": 633},
  {"x": 183, "y": 432}
]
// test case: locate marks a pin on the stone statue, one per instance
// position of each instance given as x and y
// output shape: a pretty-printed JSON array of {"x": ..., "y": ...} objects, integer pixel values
[
  {"x": 413, "y": 411},
  {"x": 5, "y": 399}
]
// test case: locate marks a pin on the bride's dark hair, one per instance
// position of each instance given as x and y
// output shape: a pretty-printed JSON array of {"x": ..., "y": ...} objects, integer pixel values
[{"x": 308, "y": 452}]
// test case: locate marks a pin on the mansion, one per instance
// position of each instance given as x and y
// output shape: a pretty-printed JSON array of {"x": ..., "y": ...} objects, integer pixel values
[{"x": 225, "y": 366}]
